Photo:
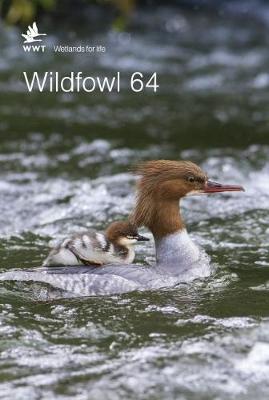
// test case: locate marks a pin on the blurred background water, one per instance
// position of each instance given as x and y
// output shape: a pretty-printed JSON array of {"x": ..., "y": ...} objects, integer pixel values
[{"x": 64, "y": 162}]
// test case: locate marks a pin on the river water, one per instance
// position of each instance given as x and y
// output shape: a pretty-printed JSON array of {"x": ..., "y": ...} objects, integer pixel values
[{"x": 64, "y": 162}]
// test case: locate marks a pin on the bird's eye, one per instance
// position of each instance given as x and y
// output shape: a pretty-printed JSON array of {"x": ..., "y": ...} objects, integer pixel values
[{"x": 191, "y": 179}]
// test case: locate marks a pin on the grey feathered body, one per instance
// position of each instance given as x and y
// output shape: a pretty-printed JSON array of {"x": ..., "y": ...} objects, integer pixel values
[{"x": 178, "y": 261}]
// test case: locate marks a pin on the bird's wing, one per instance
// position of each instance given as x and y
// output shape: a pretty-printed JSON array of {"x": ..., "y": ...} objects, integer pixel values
[
  {"x": 86, "y": 248},
  {"x": 31, "y": 31},
  {"x": 35, "y": 29}
]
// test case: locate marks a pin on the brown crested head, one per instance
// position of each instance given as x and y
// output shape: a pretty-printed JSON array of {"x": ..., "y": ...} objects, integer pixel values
[
  {"x": 123, "y": 233},
  {"x": 170, "y": 179},
  {"x": 161, "y": 185}
]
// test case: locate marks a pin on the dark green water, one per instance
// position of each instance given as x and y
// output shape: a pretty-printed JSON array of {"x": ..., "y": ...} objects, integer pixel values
[{"x": 64, "y": 162}]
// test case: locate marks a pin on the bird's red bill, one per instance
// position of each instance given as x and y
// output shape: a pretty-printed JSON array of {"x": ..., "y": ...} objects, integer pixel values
[{"x": 215, "y": 187}]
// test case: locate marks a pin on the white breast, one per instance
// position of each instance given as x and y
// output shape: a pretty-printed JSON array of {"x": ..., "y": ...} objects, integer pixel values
[{"x": 176, "y": 251}]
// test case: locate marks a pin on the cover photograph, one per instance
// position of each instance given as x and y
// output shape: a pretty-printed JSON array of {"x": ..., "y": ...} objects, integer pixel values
[{"x": 134, "y": 181}]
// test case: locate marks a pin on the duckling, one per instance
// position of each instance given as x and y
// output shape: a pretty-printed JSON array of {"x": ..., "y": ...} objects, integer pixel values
[{"x": 115, "y": 245}]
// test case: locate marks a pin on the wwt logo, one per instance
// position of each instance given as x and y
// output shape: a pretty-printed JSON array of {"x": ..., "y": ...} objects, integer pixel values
[{"x": 31, "y": 37}]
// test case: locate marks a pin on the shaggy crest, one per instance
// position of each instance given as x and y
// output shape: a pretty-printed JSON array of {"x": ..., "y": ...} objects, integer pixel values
[{"x": 152, "y": 174}]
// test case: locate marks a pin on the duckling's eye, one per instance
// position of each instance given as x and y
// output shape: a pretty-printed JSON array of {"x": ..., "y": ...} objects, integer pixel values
[{"x": 191, "y": 179}]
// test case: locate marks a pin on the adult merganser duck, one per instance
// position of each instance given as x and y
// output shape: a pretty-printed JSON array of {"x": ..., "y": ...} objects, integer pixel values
[
  {"x": 161, "y": 187},
  {"x": 115, "y": 245},
  {"x": 162, "y": 184}
]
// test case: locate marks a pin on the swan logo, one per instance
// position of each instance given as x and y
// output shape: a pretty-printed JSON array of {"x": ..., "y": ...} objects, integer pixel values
[{"x": 32, "y": 36}]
